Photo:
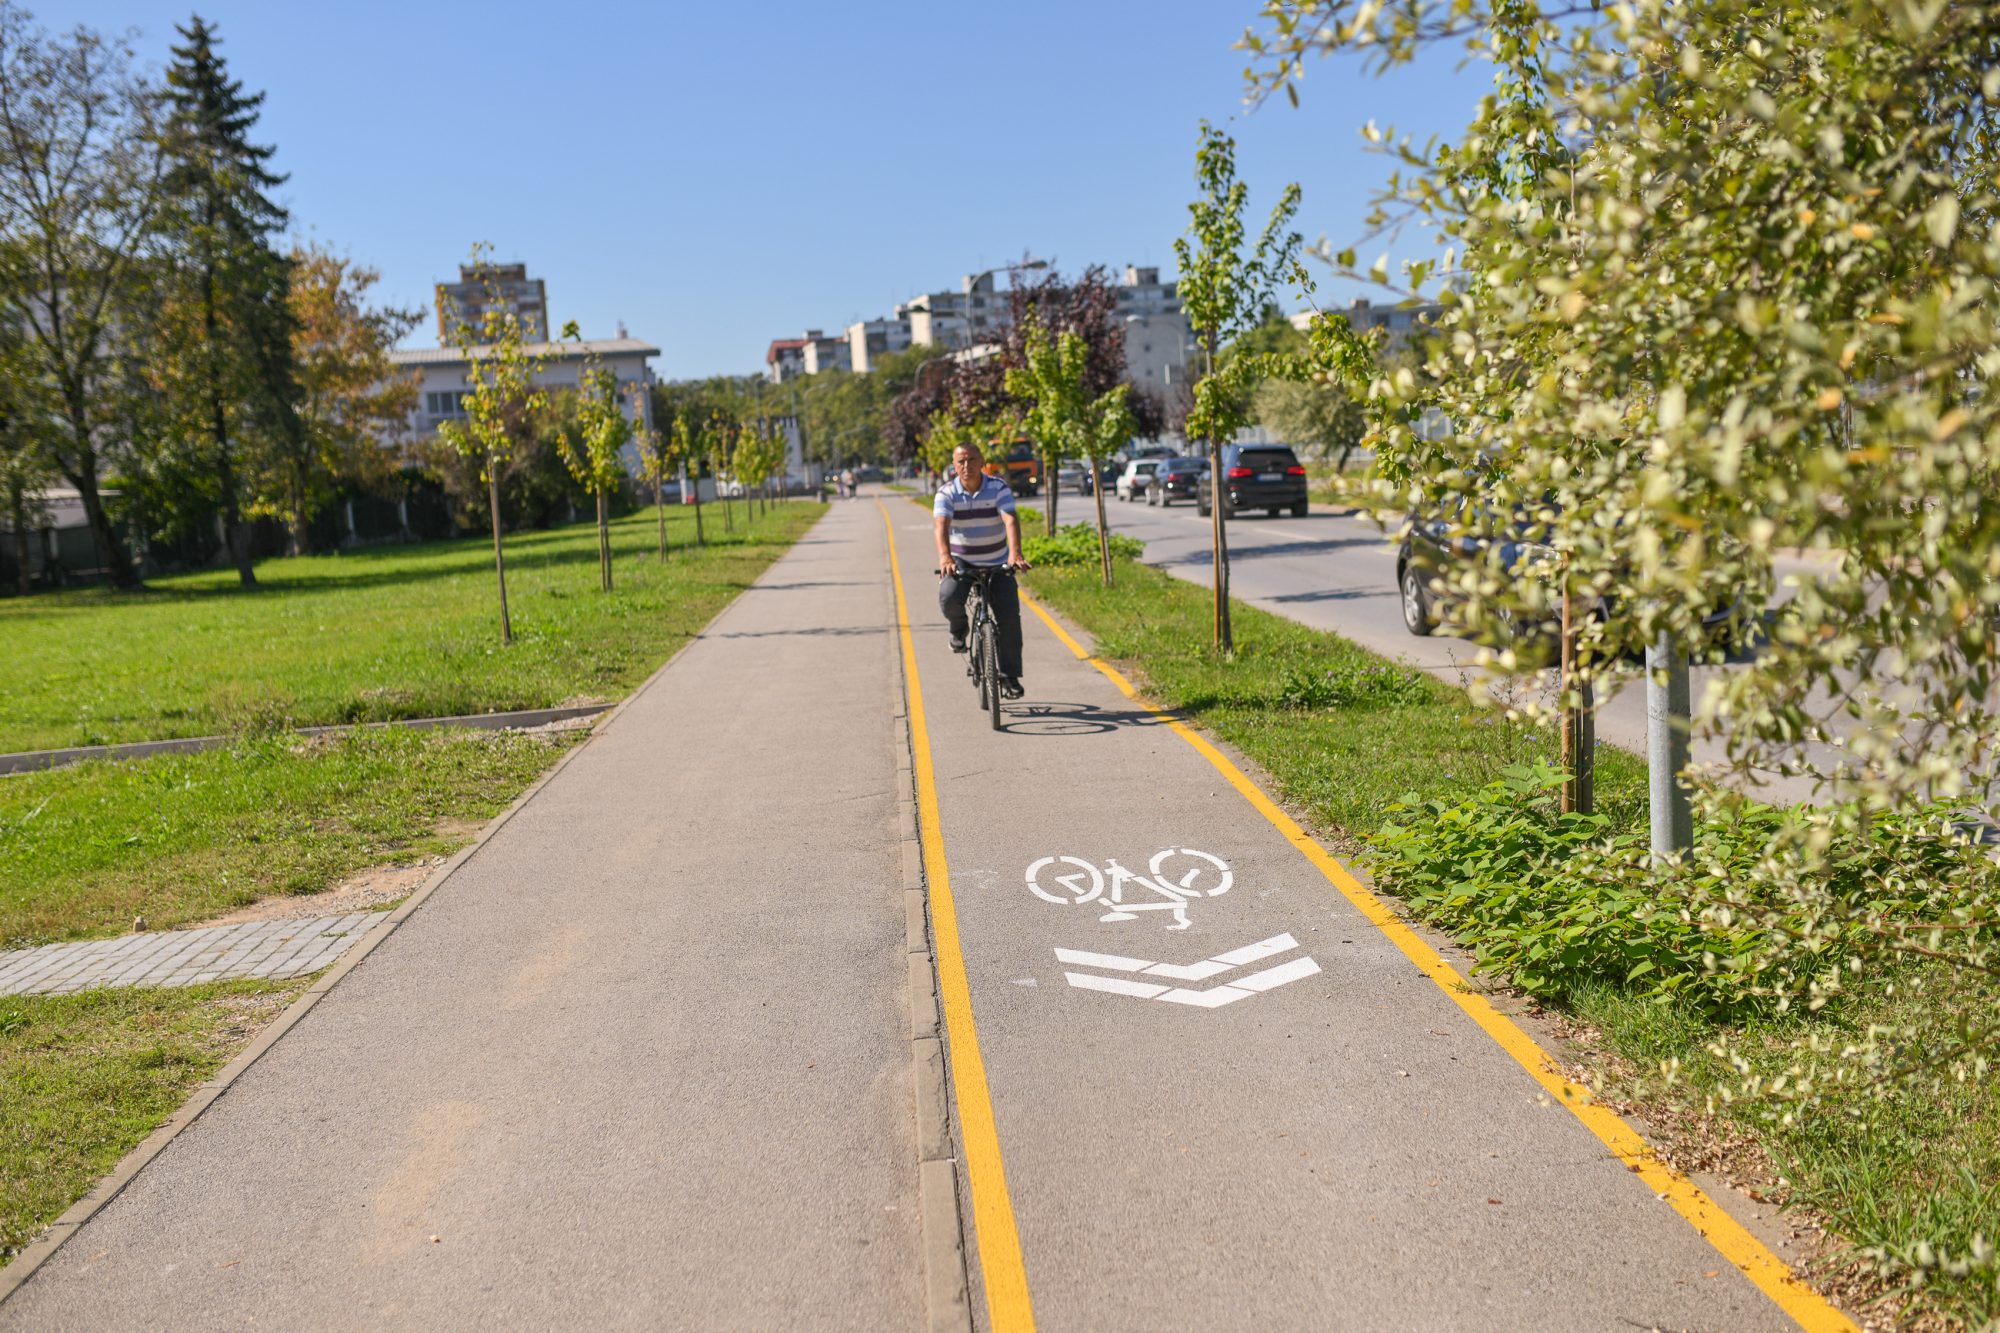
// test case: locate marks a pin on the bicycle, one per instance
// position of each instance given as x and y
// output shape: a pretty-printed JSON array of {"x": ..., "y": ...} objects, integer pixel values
[{"x": 982, "y": 637}]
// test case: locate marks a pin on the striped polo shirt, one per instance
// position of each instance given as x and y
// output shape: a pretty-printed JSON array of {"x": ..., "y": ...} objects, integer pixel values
[{"x": 977, "y": 535}]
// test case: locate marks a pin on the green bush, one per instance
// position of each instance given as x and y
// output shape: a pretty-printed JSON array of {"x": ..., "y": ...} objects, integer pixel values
[
  {"x": 1358, "y": 684},
  {"x": 1077, "y": 545},
  {"x": 1554, "y": 901}
]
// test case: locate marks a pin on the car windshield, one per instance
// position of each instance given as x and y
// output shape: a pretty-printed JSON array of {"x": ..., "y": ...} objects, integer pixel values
[{"x": 1268, "y": 460}]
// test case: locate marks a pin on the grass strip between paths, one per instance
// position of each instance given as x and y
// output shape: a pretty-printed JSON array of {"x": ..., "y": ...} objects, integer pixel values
[
  {"x": 373, "y": 635},
  {"x": 85, "y": 1077},
  {"x": 1345, "y": 734}
]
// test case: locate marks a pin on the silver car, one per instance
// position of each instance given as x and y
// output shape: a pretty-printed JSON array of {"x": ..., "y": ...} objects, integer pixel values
[{"x": 1138, "y": 474}]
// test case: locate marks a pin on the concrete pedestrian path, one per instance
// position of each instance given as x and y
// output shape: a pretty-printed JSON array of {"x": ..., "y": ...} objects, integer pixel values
[
  {"x": 270, "y": 949},
  {"x": 641, "y": 1061}
]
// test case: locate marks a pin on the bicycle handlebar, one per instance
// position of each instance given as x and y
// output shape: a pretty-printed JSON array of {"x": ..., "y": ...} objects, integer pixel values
[{"x": 1012, "y": 567}]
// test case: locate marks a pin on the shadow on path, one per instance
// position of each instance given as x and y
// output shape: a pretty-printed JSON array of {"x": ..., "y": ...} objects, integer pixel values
[{"x": 1066, "y": 719}]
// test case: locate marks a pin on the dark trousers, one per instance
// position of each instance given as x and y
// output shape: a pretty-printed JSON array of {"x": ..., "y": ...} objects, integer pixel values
[{"x": 1003, "y": 597}]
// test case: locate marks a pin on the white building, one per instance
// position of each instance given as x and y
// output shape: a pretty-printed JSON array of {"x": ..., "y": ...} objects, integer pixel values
[
  {"x": 443, "y": 386},
  {"x": 822, "y": 354},
  {"x": 785, "y": 359},
  {"x": 876, "y": 337},
  {"x": 974, "y": 314},
  {"x": 1401, "y": 321},
  {"x": 1159, "y": 345}
]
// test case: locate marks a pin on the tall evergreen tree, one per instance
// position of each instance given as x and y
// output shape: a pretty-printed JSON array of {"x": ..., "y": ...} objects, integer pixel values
[{"x": 226, "y": 364}]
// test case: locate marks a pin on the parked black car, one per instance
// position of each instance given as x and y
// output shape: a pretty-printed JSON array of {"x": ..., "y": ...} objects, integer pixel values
[
  {"x": 1176, "y": 479},
  {"x": 1257, "y": 476}
]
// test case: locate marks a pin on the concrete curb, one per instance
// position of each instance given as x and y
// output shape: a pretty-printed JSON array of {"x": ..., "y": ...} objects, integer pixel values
[
  {"x": 31, "y": 761},
  {"x": 947, "y": 1300},
  {"x": 38, "y": 1252}
]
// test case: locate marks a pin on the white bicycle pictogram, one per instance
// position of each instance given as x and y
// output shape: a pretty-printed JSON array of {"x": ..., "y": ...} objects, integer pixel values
[{"x": 1174, "y": 883}]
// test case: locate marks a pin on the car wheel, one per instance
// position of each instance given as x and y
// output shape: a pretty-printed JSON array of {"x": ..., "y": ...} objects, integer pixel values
[
  {"x": 1300, "y": 510},
  {"x": 1416, "y": 602}
]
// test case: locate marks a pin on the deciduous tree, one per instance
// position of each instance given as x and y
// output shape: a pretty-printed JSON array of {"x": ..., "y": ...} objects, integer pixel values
[
  {"x": 503, "y": 398},
  {"x": 1068, "y": 420},
  {"x": 1225, "y": 288},
  {"x": 80, "y": 189},
  {"x": 1728, "y": 274},
  {"x": 594, "y": 451},
  {"x": 352, "y": 405}
]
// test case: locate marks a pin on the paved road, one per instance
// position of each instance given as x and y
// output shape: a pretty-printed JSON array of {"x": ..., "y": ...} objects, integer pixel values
[
  {"x": 1345, "y": 1149},
  {"x": 642, "y": 1061},
  {"x": 645, "y": 1059},
  {"x": 1338, "y": 572}
]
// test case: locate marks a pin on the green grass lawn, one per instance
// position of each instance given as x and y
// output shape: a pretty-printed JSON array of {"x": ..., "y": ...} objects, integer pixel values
[
  {"x": 84, "y": 1078},
  {"x": 177, "y": 838},
  {"x": 407, "y": 631},
  {"x": 1344, "y": 734},
  {"x": 389, "y": 632}
]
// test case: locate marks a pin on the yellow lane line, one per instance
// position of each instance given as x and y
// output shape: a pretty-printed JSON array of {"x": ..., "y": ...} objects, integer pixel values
[
  {"x": 1008, "y": 1307},
  {"x": 1771, "y": 1274}
]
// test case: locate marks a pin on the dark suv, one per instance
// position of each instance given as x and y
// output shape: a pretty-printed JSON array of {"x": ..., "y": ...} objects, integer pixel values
[
  {"x": 1175, "y": 479},
  {"x": 1257, "y": 476}
]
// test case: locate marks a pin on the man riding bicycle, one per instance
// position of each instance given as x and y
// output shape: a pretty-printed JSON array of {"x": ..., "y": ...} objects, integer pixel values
[{"x": 977, "y": 528}]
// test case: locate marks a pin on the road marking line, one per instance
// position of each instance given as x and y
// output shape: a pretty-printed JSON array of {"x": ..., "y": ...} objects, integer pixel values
[
  {"x": 1212, "y": 998},
  {"x": 1109, "y": 961},
  {"x": 1273, "y": 977},
  {"x": 1201, "y": 971},
  {"x": 1810, "y": 1310},
  {"x": 1116, "y": 985},
  {"x": 1005, "y": 1273},
  {"x": 1250, "y": 953}
]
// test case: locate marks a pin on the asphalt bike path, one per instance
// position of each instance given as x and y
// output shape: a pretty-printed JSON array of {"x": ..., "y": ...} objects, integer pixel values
[
  {"x": 1194, "y": 1098},
  {"x": 643, "y": 1060}
]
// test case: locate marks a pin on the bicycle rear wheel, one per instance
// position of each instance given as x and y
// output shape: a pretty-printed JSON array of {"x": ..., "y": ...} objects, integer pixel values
[{"x": 990, "y": 644}]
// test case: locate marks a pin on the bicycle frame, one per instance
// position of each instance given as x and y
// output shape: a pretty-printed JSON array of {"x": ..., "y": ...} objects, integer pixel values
[{"x": 1176, "y": 900}]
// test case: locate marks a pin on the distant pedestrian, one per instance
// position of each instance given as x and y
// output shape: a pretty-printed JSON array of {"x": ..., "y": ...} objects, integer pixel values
[{"x": 847, "y": 485}]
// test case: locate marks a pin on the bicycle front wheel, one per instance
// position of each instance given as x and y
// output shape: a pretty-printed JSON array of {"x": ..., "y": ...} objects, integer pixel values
[{"x": 991, "y": 646}]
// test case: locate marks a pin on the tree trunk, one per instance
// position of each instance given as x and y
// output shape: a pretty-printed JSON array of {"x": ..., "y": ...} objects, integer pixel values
[
  {"x": 110, "y": 547},
  {"x": 17, "y": 503},
  {"x": 499, "y": 560},
  {"x": 603, "y": 540},
  {"x": 1103, "y": 534},
  {"x": 660, "y": 505},
  {"x": 700, "y": 538},
  {"x": 1055, "y": 491},
  {"x": 233, "y": 535},
  {"x": 1218, "y": 494}
]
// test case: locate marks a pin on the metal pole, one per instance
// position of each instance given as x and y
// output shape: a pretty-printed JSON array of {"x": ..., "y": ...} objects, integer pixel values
[{"x": 1667, "y": 747}]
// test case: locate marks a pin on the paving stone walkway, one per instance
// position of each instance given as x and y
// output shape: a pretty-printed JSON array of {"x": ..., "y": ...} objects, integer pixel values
[{"x": 273, "y": 949}]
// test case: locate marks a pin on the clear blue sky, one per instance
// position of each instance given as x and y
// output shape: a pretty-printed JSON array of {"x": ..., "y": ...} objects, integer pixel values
[{"x": 717, "y": 175}]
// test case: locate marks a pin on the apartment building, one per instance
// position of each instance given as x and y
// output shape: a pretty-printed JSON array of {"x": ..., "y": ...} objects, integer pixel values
[
  {"x": 1401, "y": 321},
  {"x": 442, "y": 385},
  {"x": 1159, "y": 345},
  {"x": 872, "y": 338},
  {"x": 503, "y": 287}
]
